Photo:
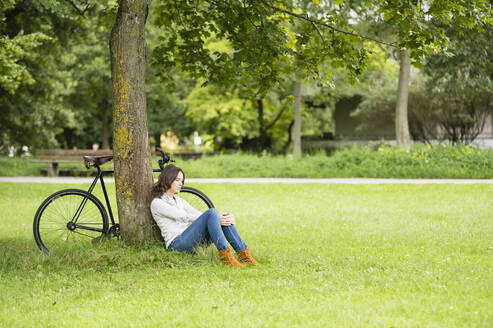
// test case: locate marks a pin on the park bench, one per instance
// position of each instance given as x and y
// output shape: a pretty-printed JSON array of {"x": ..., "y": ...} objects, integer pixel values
[{"x": 56, "y": 156}]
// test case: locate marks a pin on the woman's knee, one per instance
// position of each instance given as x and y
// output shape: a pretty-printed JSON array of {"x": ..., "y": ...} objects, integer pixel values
[
  {"x": 212, "y": 213},
  {"x": 212, "y": 210}
]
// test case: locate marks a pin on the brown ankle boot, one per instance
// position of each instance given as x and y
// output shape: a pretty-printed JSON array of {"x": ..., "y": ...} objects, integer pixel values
[
  {"x": 228, "y": 259},
  {"x": 245, "y": 257}
]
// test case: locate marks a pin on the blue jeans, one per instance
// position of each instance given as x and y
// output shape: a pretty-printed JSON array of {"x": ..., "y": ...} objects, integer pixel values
[{"x": 206, "y": 229}]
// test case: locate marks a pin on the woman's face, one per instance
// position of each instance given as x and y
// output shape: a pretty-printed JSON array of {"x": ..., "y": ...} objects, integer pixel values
[{"x": 177, "y": 184}]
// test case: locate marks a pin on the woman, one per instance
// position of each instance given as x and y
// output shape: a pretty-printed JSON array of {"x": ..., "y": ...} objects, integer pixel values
[{"x": 172, "y": 214}]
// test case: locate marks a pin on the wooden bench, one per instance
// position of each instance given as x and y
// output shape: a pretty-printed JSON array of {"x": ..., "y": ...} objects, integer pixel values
[{"x": 55, "y": 156}]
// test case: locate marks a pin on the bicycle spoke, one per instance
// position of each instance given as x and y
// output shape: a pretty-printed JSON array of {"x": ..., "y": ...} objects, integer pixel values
[
  {"x": 89, "y": 223},
  {"x": 60, "y": 236},
  {"x": 57, "y": 219},
  {"x": 53, "y": 229},
  {"x": 80, "y": 233}
]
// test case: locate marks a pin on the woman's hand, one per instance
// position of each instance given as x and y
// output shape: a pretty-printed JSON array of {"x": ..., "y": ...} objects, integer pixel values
[{"x": 226, "y": 219}]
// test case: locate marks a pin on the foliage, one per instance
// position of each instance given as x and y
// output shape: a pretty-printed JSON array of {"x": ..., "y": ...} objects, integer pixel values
[
  {"x": 54, "y": 71},
  {"x": 220, "y": 112},
  {"x": 432, "y": 115},
  {"x": 90, "y": 99},
  {"x": 33, "y": 111},
  {"x": 422, "y": 161},
  {"x": 405, "y": 255},
  {"x": 451, "y": 101},
  {"x": 424, "y": 27},
  {"x": 55, "y": 88},
  {"x": 268, "y": 39},
  {"x": 457, "y": 118},
  {"x": 466, "y": 67},
  {"x": 379, "y": 80},
  {"x": 238, "y": 119},
  {"x": 62, "y": 73},
  {"x": 421, "y": 28},
  {"x": 462, "y": 79},
  {"x": 19, "y": 167},
  {"x": 261, "y": 46},
  {"x": 12, "y": 51},
  {"x": 165, "y": 110}
]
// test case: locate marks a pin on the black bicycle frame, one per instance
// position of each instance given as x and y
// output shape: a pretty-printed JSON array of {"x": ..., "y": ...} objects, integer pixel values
[{"x": 99, "y": 176}]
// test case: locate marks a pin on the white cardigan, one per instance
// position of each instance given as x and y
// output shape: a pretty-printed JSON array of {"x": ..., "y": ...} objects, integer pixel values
[{"x": 172, "y": 218}]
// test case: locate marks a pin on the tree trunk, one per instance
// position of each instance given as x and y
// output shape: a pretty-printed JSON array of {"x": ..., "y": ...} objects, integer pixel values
[
  {"x": 264, "y": 141},
  {"x": 260, "y": 111},
  {"x": 297, "y": 118},
  {"x": 290, "y": 137},
  {"x": 132, "y": 157},
  {"x": 401, "y": 123}
]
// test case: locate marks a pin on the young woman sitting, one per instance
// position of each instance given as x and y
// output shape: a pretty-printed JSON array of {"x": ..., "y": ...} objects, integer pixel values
[{"x": 173, "y": 215}]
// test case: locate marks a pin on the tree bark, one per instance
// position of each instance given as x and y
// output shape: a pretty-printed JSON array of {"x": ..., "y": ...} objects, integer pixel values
[
  {"x": 402, "y": 136},
  {"x": 290, "y": 138},
  {"x": 297, "y": 118},
  {"x": 260, "y": 111},
  {"x": 132, "y": 157}
]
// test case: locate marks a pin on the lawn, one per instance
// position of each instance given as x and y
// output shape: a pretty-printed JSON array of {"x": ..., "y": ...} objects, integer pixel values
[{"x": 331, "y": 255}]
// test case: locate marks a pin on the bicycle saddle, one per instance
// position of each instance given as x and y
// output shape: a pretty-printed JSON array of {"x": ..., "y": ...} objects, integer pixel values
[{"x": 98, "y": 160}]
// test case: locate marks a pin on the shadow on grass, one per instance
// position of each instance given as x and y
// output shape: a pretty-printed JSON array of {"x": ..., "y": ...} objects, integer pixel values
[{"x": 20, "y": 256}]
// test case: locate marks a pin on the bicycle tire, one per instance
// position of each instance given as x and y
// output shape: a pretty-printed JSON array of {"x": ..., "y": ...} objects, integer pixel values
[
  {"x": 196, "y": 198},
  {"x": 54, "y": 225}
]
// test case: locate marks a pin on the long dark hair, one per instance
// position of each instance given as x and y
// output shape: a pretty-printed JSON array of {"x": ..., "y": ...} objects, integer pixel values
[{"x": 166, "y": 178}]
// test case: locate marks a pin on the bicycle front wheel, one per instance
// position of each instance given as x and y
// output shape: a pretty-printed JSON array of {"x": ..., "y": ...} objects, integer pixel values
[
  {"x": 69, "y": 216},
  {"x": 196, "y": 198}
]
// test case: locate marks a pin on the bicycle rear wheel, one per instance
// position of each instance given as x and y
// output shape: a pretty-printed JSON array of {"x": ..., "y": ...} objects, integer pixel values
[
  {"x": 196, "y": 198},
  {"x": 69, "y": 216}
]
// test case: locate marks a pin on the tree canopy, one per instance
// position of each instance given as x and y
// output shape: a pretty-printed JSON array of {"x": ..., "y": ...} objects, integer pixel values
[{"x": 55, "y": 74}]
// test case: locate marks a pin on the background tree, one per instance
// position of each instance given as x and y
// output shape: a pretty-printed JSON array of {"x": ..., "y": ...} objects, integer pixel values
[
  {"x": 421, "y": 28},
  {"x": 34, "y": 71},
  {"x": 240, "y": 118},
  {"x": 165, "y": 109},
  {"x": 90, "y": 99},
  {"x": 217, "y": 111},
  {"x": 461, "y": 84},
  {"x": 164, "y": 100},
  {"x": 65, "y": 71},
  {"x": 297, "y": 117}
]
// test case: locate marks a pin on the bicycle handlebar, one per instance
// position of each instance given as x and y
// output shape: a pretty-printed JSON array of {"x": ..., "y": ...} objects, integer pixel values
[
  {"x": 92, "y": 161},
  {"x": 165, "y": 158}
]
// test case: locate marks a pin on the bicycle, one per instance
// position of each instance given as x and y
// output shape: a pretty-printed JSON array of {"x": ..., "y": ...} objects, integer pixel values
[{"x": 78, "y": 216}]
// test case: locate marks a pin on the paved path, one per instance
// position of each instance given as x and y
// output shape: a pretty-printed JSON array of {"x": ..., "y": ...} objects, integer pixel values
[{"x": 73, "y": 180}]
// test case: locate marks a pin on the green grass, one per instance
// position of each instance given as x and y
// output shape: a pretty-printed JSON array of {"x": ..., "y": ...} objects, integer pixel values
[
  {"x": 421, "y": 161},
  {"x": 15, "y": 166},
  {"x": 331, "y": 255}
]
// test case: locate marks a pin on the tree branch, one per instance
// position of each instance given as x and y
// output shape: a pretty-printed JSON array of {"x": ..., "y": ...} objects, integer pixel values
[
  {"x": 276, "y": 118},
  {"x": 319, "y": 33},
  {"x": 81, "y": 12},
  {"x": 333, "y": 28}
]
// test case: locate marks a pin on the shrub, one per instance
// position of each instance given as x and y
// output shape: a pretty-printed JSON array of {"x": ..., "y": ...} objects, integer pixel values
[{"x": 421, "y": 161}]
